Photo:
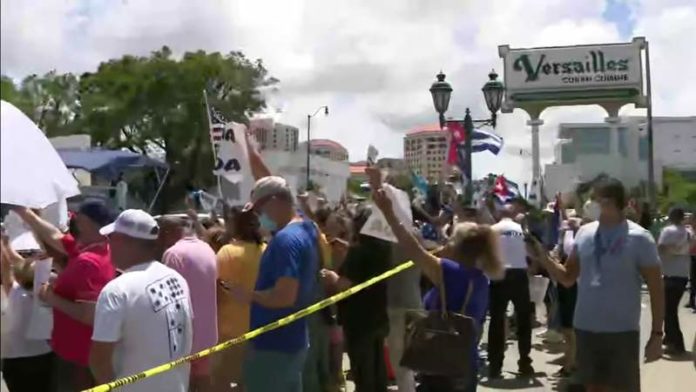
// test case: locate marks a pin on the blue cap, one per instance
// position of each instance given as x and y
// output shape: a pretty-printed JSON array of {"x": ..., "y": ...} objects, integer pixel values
[{"x": 96, "y": 211}]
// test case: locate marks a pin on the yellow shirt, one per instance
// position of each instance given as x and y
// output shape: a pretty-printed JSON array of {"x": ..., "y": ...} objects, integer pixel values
[
  {"x": 238, "y": 264},
  {"x": 325, "y": 249}
]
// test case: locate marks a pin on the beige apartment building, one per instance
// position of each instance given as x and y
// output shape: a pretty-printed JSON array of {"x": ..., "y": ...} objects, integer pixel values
[{"x": 425, "y": 151}]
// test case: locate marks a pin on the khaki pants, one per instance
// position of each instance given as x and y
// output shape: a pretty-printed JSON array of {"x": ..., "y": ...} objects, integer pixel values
[{"x": 227, "y": 368}]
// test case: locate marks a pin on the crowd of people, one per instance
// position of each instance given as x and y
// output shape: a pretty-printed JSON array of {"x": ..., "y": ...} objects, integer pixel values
[{"x": 131, "y": 292}]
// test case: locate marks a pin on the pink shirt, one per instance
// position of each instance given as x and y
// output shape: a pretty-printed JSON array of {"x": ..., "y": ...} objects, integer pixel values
[
  {"x": 195, "y": 260},
  {"x": 89, "y": 269}
]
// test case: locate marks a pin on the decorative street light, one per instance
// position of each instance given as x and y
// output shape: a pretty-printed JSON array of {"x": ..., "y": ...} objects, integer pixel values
[
  {"x": 493, "y": 92},
  {"x": 309, "y": 140}
]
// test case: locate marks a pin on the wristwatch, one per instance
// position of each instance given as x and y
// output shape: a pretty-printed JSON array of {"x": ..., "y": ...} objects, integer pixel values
[{"x": 657, "y": 333}]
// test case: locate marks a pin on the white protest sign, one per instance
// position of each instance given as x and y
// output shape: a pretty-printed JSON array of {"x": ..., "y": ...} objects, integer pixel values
[
  {"x": 372, "y": 155},
  {"x": 57, "y": 214},
  {"x": 20, "y": 235},
  {"x": 41, "y": 321},
  {"x": 232, "y": 161},
  {"x": 377, "y": 226}
]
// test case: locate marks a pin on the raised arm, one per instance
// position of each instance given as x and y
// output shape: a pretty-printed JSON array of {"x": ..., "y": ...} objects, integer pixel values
[
  {"x": 44, "y": 230},
  {"x": 428, "y": 263},
  {"x": 7, "y": 257},
  {"x": 565, "y": 274},
  {"x": 256, "y": 163}
]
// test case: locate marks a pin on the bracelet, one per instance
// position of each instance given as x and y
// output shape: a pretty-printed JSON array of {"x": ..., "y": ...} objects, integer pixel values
[{"x": 657, "y": 333}]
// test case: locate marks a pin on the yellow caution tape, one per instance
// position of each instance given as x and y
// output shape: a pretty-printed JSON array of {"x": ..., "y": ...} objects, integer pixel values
[{"x": 250, "y": 335}]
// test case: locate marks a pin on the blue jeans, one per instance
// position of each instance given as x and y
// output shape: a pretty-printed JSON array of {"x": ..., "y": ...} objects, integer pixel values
[{"x": 273, "y": 371}]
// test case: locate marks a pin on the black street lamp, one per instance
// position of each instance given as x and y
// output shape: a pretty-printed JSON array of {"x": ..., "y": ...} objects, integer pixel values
[
  {"x": 493, "y": 92},
  {"x": 309, "y": 140}
]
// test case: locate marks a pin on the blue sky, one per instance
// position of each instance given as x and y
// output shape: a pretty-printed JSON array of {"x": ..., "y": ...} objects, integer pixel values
[{"x": 619, "y": 13}]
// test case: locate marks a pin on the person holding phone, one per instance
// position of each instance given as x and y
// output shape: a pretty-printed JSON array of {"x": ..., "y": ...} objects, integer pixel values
[
  {"x": 237, "y": 264},
  {"x": 610, "y": 260}
]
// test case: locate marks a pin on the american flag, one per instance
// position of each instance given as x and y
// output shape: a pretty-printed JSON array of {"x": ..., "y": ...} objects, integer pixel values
[
  {"x": 216, "y": 117},
  {"x": 217, "y": 125}
]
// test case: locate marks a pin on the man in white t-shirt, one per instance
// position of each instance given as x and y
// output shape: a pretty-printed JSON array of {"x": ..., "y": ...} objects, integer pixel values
[
  {"x": 673, "y": 245},
  {"x": 514, "y": 287},
  {"x": 143, "y": 318}
]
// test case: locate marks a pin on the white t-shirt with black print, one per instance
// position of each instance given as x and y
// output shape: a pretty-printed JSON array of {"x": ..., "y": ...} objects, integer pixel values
[{"x": 147, "y": 312}]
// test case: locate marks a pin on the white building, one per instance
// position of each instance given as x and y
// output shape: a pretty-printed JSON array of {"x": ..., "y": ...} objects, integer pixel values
[
  {"x": 621, "y": 151},
  {"x": 674, "y": 140},
  {"x": 330, "y": 175},
  {"x": 275, "y": 136}
]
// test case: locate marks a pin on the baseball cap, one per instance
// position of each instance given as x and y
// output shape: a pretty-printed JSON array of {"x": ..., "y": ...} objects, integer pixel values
[
  {"x": 97, "y": 212},
  {"x": 267, "y": 187},
  {"x": 133, "y": 223}
]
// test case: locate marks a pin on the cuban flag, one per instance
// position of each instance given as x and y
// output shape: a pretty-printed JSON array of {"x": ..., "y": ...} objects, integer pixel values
[
  {"x": 486, "y": 141},
  {"x": 420, "y": 183},
  {"x": 505, "y": 190},
  {"x": 457, "y": 139}
]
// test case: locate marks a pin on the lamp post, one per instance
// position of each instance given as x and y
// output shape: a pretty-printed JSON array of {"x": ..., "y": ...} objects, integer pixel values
[
  {"x": 309, "y": 140},
  {"x": 493, "y": 92}
]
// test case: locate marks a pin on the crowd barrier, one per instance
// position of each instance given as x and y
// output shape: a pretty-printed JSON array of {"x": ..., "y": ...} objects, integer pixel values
[{"x": 249, "y": 335}]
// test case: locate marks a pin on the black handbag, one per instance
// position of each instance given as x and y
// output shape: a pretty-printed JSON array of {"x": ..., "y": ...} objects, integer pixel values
[{"x": 438, "y": 342}]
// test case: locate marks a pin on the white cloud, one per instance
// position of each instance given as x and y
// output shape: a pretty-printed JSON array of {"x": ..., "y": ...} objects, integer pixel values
[{"x": 372, "y": 62}]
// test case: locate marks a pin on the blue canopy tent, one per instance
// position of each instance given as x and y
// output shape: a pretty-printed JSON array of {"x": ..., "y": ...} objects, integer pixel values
[
  {"x": 107, "y": 163},
  {"x": 110, "y": 163}
]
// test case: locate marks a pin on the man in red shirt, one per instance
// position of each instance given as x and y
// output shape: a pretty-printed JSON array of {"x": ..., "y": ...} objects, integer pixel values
[{"x": 74, "y": 293}]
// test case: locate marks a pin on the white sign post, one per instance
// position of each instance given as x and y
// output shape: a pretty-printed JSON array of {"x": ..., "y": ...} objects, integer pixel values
[
  {"x": 571, "y": 75},
  {"x": 609, "y": 75}
]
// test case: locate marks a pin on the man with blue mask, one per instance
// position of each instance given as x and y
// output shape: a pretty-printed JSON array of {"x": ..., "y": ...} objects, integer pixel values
[{"x": 287, "y": 281}]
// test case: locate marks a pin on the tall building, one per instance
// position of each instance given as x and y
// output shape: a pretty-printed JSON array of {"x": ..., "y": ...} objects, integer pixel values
[
  {"x": 620, "y": 150},
  {"x": 275, "y": 136},
  {"x": 425, "y": 151}
]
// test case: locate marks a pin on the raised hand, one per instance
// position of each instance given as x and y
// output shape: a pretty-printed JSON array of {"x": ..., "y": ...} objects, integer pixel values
[
  {"x": 382, "y": 201},
  {"x": 374, "y": 176}
]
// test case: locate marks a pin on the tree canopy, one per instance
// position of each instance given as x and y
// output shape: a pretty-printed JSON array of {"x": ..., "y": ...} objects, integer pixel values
[
  {"x": 148, "y": 104},
  {"x": 677, "y": 191}
]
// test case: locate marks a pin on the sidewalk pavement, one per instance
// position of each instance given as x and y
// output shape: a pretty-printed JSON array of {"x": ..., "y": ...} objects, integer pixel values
[{"x": 674, "y": 375}]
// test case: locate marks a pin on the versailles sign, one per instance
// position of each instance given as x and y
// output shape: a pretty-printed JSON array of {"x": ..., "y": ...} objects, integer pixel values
[{"x": 572, "y": 75}]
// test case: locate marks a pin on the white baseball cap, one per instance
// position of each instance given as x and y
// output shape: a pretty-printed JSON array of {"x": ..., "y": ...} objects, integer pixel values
[{"x": 133, "y": 223}]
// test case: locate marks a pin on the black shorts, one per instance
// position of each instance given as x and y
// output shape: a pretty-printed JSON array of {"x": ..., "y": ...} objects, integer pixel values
[
  {"x": 609, "y": 359},
  {"x": 567, "y": 296}
]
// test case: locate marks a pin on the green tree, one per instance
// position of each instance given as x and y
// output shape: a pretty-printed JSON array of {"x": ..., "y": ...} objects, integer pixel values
[
  {"x": 677, "y": 190},
  {"x": 155, "y": 103},
  {"x": 51, "y": 100}
]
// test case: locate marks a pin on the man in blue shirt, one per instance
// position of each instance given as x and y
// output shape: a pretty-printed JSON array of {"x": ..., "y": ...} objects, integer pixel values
[
  {"x": 610, "y": 260},
  {"x": 286, "y": 283}
]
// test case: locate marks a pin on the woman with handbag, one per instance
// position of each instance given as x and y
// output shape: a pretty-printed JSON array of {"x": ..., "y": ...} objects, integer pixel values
[{"x": 441, "y": 344}]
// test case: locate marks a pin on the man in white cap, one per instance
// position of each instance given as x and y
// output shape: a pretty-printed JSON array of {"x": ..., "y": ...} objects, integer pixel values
[
  {"x": 287, "y": 282},
  {"x": 143, "y": 317}
]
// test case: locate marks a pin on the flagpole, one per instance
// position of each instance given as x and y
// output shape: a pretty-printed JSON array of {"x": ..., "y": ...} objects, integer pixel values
[{"x": 212, "y": 142}]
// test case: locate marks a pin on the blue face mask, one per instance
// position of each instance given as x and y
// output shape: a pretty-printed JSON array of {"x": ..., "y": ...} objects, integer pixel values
[{"x": 267, "y": 223}]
